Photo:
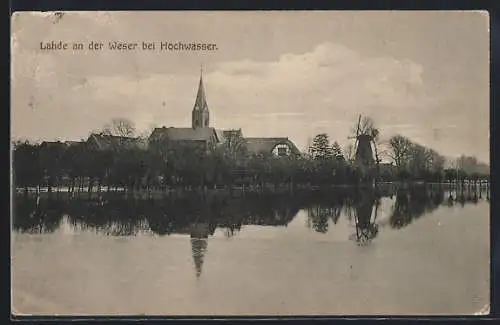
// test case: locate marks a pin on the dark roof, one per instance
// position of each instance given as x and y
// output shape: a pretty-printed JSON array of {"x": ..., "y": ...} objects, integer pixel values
[
  {"x": 266, "y": 145},
  {"x": 53, "y": 144},
  {"x": 184, "y": 134},
  {"x": 72, "y": 143},
  {"x": 61, "y": 143},
  {"x": 105, "y": 141}
]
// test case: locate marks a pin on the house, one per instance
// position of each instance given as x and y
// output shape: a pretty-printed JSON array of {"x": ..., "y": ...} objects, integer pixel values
[
  {"x": 276, "y": 146},
  {"x": 61, "y": 145},
  {"x": 53, "y": 144},
  {"x": 202, "y": 135},
  {"x": 72, "y": 143},
  {"x": 113, "y": 142}
]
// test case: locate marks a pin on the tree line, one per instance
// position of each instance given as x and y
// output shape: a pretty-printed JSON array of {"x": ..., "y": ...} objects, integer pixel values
[
  {"x": 165, "y": 164},
  {"x": 414, "y": 161}
]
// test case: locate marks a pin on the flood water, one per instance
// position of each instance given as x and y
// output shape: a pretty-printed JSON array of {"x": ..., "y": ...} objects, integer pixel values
[{"x": 346, "y": 252}]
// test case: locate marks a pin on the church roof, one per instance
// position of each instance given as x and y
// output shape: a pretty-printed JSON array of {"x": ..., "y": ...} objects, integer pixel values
[
  {"x": 184, "y": 134},
  {"x": 261, "y": 145},
  {"x": 201, "y": 100},
  {"x": 53, "y": 144}
]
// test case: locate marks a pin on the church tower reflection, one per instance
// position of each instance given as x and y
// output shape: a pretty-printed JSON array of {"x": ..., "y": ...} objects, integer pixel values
[{"x": 199, "y": 244}]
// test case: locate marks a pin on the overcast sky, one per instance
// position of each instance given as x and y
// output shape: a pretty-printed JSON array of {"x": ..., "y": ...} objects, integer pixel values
[{"x": 421, "y": 74}]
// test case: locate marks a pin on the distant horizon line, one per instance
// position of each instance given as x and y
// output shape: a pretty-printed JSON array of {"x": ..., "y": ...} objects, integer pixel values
[{"x": 82, "y": 139}]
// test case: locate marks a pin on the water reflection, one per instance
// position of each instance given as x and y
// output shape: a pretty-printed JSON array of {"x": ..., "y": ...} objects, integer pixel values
[
  {"x": 199, "y": 217},
  {"x": 366, "y": 206},
  {"x": 199, "y": 243},
  {"x": 411, "y": 204}
]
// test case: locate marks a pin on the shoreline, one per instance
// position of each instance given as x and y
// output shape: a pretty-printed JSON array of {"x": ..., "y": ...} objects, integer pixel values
[{"x": 243, "y": 190}]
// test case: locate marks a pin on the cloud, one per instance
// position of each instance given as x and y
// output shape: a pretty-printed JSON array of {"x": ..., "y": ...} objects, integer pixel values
[
  {"x": 331, "y": 82},
  {"x": 287, "y": 96},
  {"x": 287, "y": 82},
  {"x": 330, "y": 73}
]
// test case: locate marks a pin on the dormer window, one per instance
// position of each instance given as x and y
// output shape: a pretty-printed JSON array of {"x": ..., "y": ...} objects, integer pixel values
[{"x": 281, "y": 150}]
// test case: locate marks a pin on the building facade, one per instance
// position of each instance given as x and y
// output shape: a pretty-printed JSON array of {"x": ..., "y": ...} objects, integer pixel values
[
  {"x": 199, "y": 135},
  {"x": 202, "y": 135}
]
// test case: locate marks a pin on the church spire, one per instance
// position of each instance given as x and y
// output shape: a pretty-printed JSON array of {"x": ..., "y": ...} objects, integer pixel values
[
  {"x": 200, "y": 113},
  {"x": 201, "y": 101},
  {"x": 199, "y": 243},
  {"x": 199, "y": 248}
]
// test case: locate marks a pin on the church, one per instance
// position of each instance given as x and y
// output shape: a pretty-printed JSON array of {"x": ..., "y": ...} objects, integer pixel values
[{"x": 202, "y": 134}]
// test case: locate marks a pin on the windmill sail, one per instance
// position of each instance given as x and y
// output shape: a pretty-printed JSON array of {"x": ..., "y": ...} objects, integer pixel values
[{"x": 359, "y": 123}]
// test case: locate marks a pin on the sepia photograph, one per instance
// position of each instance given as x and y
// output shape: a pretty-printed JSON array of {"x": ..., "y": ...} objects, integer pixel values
[{"x": 258, "y": 163}]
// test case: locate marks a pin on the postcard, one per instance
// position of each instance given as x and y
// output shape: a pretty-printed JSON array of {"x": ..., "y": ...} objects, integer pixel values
[{"x": 250, "y": 163}]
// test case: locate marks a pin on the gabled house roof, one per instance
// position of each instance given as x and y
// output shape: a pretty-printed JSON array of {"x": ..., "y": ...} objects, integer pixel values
[
  {"x": 106, "y": 141},
  {"x": 61, "y": 143},
  {"x": 53, "y": 143},
  {"x": 72, "y": 143},
  {"x": 266, "y": 145}
]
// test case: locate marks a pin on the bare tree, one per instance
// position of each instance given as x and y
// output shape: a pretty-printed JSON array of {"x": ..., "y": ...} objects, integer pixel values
[
  {"x": 419, "y": 158},
  {"x": 349, "y": 152},
  {"x": 234, "y": 144},
  {"x": 436, "y": 160},
  {"x": 365, "y": 125},
  {"x": 375, "y": 133},
  {"x": 399, "y": 150},
  {"x": 120, "y": 127}
]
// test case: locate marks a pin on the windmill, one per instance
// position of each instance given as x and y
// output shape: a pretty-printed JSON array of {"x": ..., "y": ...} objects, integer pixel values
[{"x": 364, "y": 138}]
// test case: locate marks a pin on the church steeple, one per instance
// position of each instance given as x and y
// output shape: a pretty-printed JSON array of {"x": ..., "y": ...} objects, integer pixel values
[
  {"x": 199, "y": 248},
  {"x": 199, "y": 243},
  {"x": 200, "y": 115}
]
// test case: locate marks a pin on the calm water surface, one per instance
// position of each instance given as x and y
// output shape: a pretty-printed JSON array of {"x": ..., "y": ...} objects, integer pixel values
[{"x": 346, "y": 252}]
